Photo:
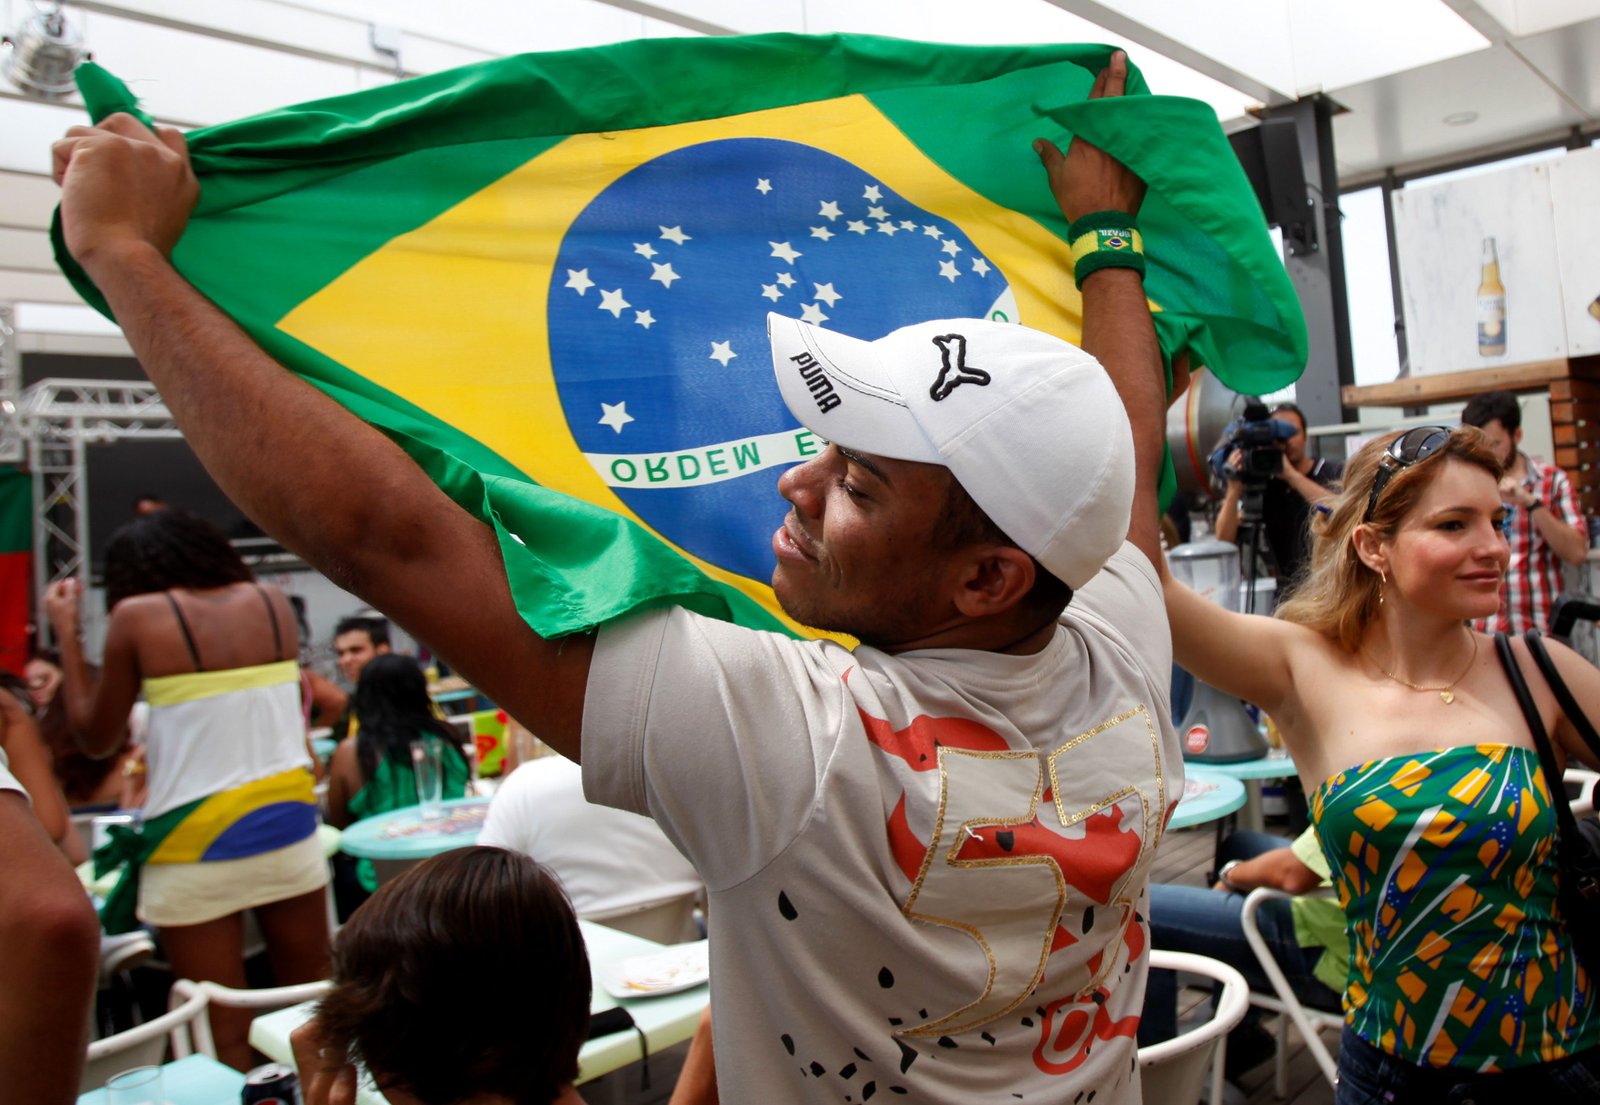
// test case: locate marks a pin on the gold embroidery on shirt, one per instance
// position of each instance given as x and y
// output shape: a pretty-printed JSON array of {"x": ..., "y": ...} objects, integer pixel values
[{"x": 973, "y": 1015}]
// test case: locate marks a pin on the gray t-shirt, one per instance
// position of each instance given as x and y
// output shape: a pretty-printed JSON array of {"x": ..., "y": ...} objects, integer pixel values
[{"x": 926, "y": 869}]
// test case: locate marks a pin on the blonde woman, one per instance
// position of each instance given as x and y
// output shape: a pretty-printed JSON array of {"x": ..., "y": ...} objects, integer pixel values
[{"x": 1425, "y": 785}]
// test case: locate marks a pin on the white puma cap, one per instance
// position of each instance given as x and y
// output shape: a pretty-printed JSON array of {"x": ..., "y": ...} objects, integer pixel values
[{"x": 1029, "y": 424}]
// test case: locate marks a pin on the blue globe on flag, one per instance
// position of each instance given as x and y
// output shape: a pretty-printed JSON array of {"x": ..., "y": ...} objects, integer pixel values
[{"x": 657, "y": 322}]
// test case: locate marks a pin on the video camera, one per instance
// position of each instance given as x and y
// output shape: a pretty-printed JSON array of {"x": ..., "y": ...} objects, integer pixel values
[{"x": 1259, "y": 438}]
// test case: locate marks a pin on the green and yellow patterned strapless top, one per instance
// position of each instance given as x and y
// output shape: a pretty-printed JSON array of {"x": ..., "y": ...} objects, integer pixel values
[{"x": 1444, "y": 862}]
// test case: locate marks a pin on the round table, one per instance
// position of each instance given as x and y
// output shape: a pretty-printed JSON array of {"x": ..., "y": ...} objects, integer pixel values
[
  {"x": 1274, "y": 765},
  {"x": 1207, "y": 796},
  {"x": 403, "y": 835}
]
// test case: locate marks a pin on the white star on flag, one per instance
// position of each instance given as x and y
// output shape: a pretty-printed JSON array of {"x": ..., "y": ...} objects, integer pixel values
[
  {"x": 720, "y": 352},
  {"x": 907, "y": 224},
  {"x": 578, "y": 280},
  {"x": 948, "y": 270},
  {"x": 826, "y": 294},
  {"x": 763, "y": 186},
  {"x": 951, "y": 247},
  {"x": 613, "y": 302},
  {"x": 785, "y": 279},
  {"x": 876, "y": 212},
  {"x": 616, "y": 415},
  {"x": 933, "y": 232},
  {"x": 644, "y": 318},
  {"x": 856, "y": 226},
  {"x": 981, "y": 267},
  {"x": 811, "y": 313},
  {"x": 888, "y": 228},
  {"x": 674, "y": 234},
  {"x": 771, "y": 292},
  {"x": 644, "y": 249},
  {"x": 664, "y": 274},
  {"x": 830, "y": 210},
  {"x": 786, "y": 251},
  {"x": 821, "y": 232},
  {"x": 873, "y": 193}
]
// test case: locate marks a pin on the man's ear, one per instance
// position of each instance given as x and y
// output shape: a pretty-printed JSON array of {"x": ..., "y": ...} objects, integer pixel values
[{"x": 994, "y": 580}]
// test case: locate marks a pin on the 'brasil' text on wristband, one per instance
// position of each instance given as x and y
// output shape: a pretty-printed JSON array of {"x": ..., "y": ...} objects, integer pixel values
[{"x": 1105, "y": 239}]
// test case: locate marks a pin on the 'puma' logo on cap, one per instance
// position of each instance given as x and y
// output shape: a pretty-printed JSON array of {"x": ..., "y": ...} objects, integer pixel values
[
  {"x": 955, "y": 370},
  {"x": 817, "y": 382}
]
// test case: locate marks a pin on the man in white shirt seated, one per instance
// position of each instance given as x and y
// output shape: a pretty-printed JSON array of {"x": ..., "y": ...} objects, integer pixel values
[{"x": 607, "y": 859}]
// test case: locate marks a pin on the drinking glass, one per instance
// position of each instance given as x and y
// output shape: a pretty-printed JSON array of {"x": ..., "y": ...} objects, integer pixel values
[
  {"x": 139, "y": 1086},
  {"x": 427, "y": 764},
  {"x": 470, "y": 750}
]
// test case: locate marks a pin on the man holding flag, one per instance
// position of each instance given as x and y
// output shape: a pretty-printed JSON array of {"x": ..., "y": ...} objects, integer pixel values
[{"x": 927, "y": 856}]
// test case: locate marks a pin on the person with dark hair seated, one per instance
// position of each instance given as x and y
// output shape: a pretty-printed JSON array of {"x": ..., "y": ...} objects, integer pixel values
[
  {"x": 371, "y": 771},
  {"x": 408, "y": 1005}
]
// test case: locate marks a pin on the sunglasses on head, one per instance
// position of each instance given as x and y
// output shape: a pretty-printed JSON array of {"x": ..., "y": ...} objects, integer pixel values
[{"x": 1403, "y": 452}]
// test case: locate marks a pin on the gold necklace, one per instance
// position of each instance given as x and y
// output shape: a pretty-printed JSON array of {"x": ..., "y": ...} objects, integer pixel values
[{"x": 1446, "y": 693}]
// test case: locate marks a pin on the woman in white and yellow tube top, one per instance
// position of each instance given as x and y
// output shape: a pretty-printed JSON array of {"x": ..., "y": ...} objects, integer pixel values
[
  {"x": 230, "y": 822},
  {"x": 1427, "y": 793}
]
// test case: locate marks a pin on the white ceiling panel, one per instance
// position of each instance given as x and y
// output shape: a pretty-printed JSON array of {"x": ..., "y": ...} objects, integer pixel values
[
  {"x": 27, "y": 130},
  {"x": 26, "y": 200},
  {"x": 1531, "y": 17},
  {"x": 1570, "y": 60},
  {"x": 38, "y": 287},
  {"x": 28, "y": 250},
  {"x": 187, "y": 76},
  {"x": 1303, "y": 46},
  {"x": 1361, "y": 40},
  {"x": 64, "y": 319},
  {"x": 1400, "y": 120}
]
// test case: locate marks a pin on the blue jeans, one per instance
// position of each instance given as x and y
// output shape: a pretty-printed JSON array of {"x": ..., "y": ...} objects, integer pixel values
[
  {"x": 1207, "y": 922},
  {"x": 1368, "y": 1076}
]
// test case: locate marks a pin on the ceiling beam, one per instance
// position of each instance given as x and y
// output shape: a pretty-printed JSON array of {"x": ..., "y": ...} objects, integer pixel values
[
  {"x": 1151, "y": 39},
  {"x": 667, "y": 15}
]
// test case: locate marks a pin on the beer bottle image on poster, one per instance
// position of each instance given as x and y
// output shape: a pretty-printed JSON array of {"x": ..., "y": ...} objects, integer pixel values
[{"x": 1491, "y": 305}]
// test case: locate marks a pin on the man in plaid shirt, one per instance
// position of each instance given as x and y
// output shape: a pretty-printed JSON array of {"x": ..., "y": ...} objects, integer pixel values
[{"x": 1547, "y": 527}]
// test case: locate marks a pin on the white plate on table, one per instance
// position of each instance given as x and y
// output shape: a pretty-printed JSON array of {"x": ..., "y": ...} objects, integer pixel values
[{"x": 668, "y": 971}]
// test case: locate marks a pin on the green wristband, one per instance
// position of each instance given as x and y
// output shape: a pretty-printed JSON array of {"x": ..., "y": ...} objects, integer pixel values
[{"x": 1103, "y": 240}]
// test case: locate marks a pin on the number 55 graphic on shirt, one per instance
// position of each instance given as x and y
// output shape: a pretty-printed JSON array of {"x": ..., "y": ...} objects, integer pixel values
[{"x": 999, "y": 871}]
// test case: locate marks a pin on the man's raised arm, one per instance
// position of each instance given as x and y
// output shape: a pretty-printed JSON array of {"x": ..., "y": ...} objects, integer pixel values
[
  {"x": 1116, "y": 319},
  {"x": 330, "y": 487}
]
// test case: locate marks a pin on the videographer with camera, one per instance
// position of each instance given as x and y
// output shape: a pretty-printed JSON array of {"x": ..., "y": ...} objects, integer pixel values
[{"x": 1267, "y": 458}]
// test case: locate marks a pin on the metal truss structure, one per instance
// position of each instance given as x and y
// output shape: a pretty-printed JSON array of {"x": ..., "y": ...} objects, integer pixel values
[{"x": 56, "y": 421}]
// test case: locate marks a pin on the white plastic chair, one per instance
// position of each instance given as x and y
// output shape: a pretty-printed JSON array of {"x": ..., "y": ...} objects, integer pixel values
[
  {"x": 1582, "y": 781},
  {"x": 1310, "y": 1022},
  {"x": 265, "y": 999},
  {"x": 666, "y": 920},
  {"x": 185, "y": 1026},
  {"x": 1173, "y": 1072}
]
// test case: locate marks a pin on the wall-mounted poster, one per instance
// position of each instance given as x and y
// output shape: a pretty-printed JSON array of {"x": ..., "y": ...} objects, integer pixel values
[
  {"x": 1575, "y": 192},
  {"x": 1479, "y": 272}
]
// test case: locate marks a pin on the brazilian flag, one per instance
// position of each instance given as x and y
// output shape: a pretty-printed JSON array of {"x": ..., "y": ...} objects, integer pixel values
[{"x": 547, "y": 277}]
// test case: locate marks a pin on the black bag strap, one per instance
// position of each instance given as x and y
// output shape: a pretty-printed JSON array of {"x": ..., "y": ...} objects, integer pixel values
[
  {"x": 1569, "y": 705},
  {"x": 1566, "y": 824}
]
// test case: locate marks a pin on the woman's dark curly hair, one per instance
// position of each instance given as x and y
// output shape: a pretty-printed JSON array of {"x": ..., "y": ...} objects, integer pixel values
[
  {"x": 169, "y": 548},
  {"x": 408, "y": 974}
]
